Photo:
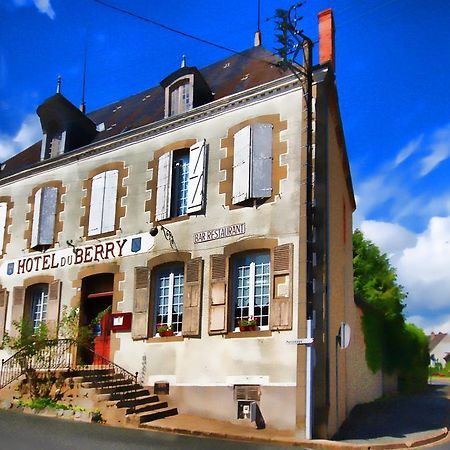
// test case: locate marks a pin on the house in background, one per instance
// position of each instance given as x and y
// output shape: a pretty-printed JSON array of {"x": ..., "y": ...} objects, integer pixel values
[
  {"x": 182, "y": 210},
  {"x": 439, "y": 345}
]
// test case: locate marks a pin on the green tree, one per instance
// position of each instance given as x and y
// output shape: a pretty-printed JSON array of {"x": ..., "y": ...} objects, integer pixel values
[{"x": 391, "y": 343}]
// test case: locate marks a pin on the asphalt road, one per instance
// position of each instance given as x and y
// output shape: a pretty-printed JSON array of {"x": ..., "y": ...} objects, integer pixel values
[
  {"x": 23, "y": 431},
  {"x": 399, "y": 417}
]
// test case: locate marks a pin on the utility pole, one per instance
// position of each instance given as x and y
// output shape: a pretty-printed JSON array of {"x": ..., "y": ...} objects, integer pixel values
[{"x": 293, "y": 41}]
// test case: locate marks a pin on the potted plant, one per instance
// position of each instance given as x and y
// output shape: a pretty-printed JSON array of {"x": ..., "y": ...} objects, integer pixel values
[
  {"x": 164, "y": 330},
  {"x": 248, "y": 324}
]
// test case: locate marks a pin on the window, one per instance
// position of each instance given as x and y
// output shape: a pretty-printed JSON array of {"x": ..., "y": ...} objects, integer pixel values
[
  {"x": 169, "y": 293},
  {"x": 256, "y": 285},
  {"x": 38, "y": 298},
  {"x": 181, "y": 182},
  {"x": 180, "y": 97},
  {"x": 251, "y": 287},
  {"x": 44, "y": 215},
  {"x": 174, "y": 297},
  {"x": 252, "y": 163},
  {"x": 102, "y": 211}
]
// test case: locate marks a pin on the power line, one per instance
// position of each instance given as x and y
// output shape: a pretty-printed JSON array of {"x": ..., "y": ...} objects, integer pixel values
[{"x": 165, "y": 27}]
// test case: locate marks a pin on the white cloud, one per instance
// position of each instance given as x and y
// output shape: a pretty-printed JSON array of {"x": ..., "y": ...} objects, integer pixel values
[
  {"x": 390, "y": 237},
  {"x": 408, "y": 150},
  {"x": 440, "y": 151},
  {"x": 28, "y": 133},
  {"x": 422, "y": 262},
  {"x": 45, "y": 7},
  {"x": 437, "y": 324}
]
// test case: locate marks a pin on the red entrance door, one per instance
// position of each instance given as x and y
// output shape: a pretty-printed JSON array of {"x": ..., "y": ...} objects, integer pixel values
[{"x": 102, "y": 340}]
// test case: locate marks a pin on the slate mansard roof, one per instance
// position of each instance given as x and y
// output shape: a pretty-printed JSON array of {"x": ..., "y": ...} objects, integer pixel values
[{"x": 231, "y": 75}]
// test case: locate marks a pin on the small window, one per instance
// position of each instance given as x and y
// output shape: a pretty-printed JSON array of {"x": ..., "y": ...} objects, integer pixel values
[
  {"x": 180, "y": 97},
  {"x": 251, "y": 288},
  {"x": 38, "y": 301},
  {"x": 252, "y": 163},
  {"x": 102, "y": 212},
  {"x": 181, "y": 182},
  {"x": 44, "y": 215},
  {"x": 169, "y": 293}
]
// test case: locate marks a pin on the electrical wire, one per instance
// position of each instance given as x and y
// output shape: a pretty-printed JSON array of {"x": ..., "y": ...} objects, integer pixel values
[{"x": 163, "y": 26}]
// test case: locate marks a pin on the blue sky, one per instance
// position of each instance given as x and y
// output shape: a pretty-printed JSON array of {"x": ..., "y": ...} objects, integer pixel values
[{"x": 392, "y": 69}]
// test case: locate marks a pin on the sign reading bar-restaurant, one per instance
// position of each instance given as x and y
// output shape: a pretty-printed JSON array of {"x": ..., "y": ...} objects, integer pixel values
[{"x": 219, "y": 233}]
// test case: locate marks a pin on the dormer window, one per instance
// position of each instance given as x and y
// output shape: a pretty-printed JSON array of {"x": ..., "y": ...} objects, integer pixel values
[
  {"x": 184, "y": 90},
  {"x": 180, "y": 97}
]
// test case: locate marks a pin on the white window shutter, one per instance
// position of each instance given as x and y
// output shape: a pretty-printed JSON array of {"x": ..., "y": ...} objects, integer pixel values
[
  {"x": 36, "y": 219},
  {"x": 197, "y": 177},
  {"x": 3, "y": 212},
  {"x": 96, "y": 206},
  {"x": 241, "y": 165},
  {"x": 48, "y": 214},
  {"x": 109, "y": 201},
  {"x": 164, "y": 185},
  {"x": 261, "y": 165}
]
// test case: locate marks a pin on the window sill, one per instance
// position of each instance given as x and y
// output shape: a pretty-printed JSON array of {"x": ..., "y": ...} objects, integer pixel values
[
  {"x": 248, "y": 334},
  {"x": 160, "y": 339}
]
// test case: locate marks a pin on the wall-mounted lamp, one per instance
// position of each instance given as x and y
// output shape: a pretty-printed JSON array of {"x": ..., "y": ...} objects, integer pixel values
[
  {"x": 167, "y": 234},
  {"x": 71, "y": 244}
]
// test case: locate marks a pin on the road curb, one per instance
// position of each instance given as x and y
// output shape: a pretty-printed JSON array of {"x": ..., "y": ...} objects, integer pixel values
[{"x": 314, "y": 443}]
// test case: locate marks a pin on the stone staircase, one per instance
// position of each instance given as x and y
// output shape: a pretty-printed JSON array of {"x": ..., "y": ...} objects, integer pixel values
[{"x": 114, "y": 391}]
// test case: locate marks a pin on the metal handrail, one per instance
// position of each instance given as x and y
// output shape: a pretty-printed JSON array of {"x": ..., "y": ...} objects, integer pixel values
[
  {"x": 53, "y": 354},
  {"x": 58, "y": 354}
]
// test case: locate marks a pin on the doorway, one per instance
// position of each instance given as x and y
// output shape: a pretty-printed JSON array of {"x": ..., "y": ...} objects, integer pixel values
[{"x": 95, "y": 315}]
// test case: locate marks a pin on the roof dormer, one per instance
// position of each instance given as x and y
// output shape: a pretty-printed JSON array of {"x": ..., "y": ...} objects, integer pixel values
[
  {"x": 185, "y": 89},
  {"x": 64, "y": 127}
]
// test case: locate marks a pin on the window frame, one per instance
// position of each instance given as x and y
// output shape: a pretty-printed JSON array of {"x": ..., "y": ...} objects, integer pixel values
[
  {"x": 121, "y": 192},
  {"x": 168, "y": 185},
  {"x": 168, "y": 271},
  {"x": 184, "y": 83},
  {"x": 32, "y": 214},
  {"x": 237, "y": 262}
]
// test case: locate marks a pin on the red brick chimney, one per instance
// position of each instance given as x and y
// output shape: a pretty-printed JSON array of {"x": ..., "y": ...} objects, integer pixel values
[{"x": 326, "y": 37}]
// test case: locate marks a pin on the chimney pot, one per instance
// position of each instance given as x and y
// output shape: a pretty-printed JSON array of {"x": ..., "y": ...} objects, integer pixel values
[{"x": 326, "y": 37}]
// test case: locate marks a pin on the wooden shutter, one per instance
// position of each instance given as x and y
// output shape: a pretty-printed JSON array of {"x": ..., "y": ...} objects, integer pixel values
[
  {"x": 17, "y": 308},
  {"x": 109, "y": 201},
  {"x": 197, "y": 176},
  {"x": 53, "y": 305},
  {"x": 96, "y": 206},
  {"x": 241, "y": 165},
  {"x": 261, "y": 161},
  {"x": 140, "y": 323},
  {"x": 36, "y": 219},
  {"x": 3, "y": 310},
  {"x": 48, "y": 214},
  {"x": 218, "y": 298},
  {"x": 193, "y": 276},
  {"x": 164, "y": 185},
  {"x": 281, "y": 303},
  {"x": 3, "y": 214}
]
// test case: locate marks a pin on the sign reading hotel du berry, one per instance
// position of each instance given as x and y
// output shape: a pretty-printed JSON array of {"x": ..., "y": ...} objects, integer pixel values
[{"x": 85, "y": 254}]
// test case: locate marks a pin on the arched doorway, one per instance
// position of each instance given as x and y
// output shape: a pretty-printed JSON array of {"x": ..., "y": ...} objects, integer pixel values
[{"x": 95, "y": 313}]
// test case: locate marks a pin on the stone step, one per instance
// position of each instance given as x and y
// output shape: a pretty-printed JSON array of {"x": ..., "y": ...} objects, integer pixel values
[
  {"x": 157, "y": 414},
  {"x": 137, "y": 401},
  {"x": 106, "y": 383},
  {"x": 91, "y": 372},
  {"x": 146, "y": 407},
  {"x": 127, "y": 395},
  {"x": 120, "y": 388}
]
